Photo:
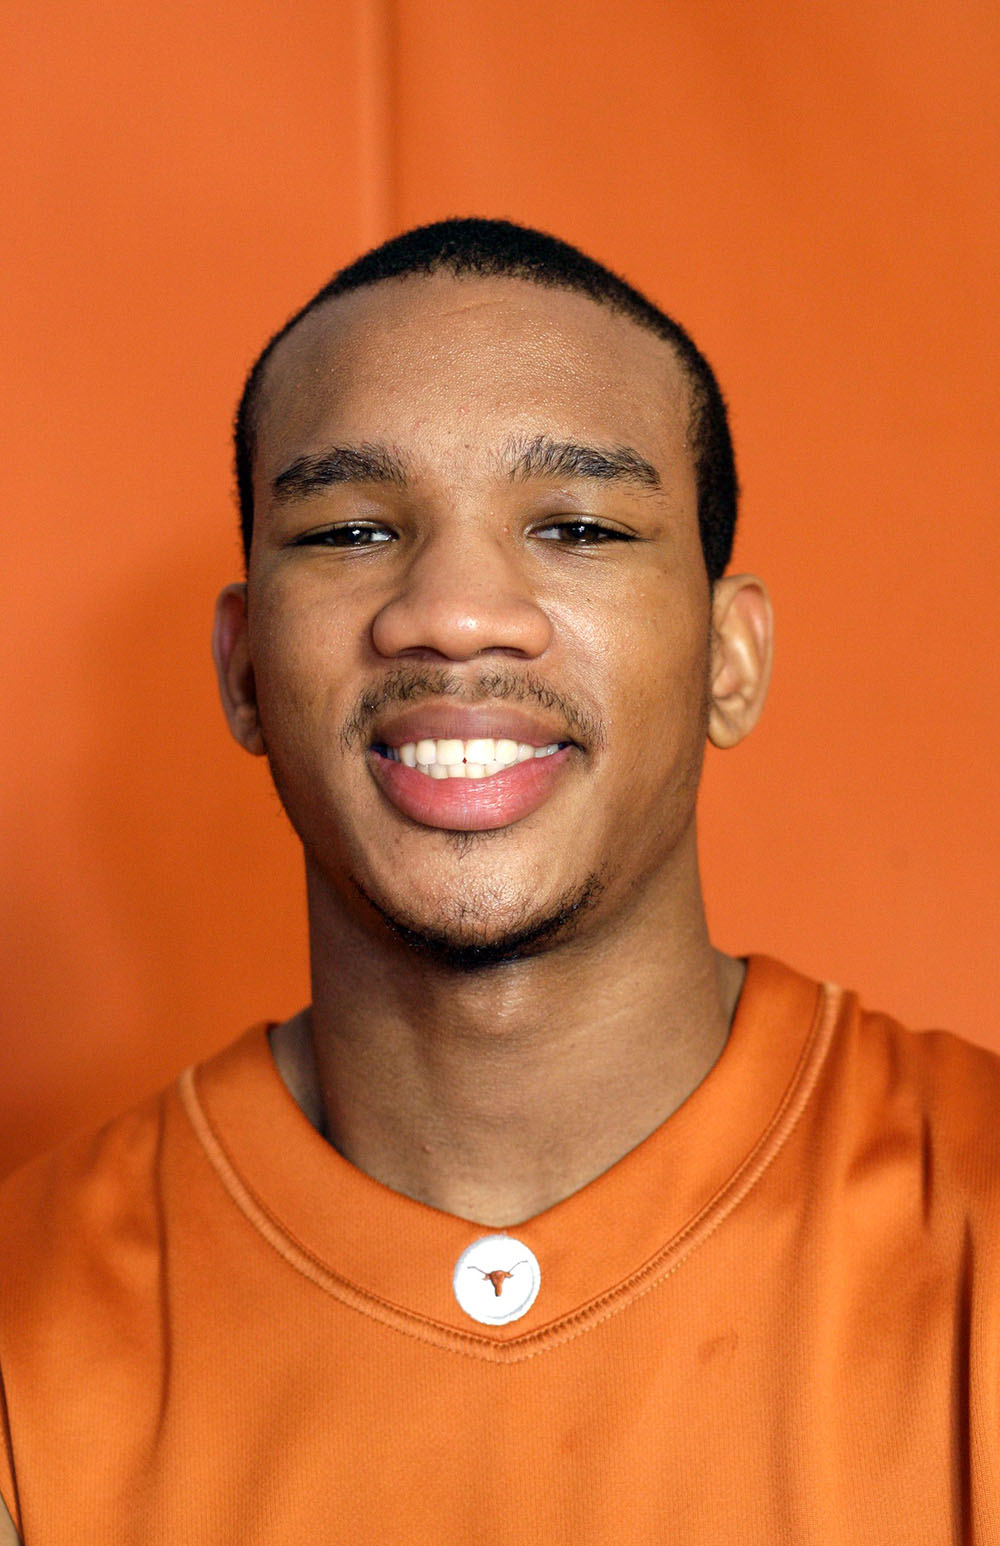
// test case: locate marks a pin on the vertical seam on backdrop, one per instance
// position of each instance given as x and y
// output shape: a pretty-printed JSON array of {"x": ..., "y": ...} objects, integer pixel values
[{"x": 375, "y": 20}]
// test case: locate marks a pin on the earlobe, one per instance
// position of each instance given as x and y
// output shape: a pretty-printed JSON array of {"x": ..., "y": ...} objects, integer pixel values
[
  {"x": 231, "y": 652},
  {"x": 742, "y": 650}
]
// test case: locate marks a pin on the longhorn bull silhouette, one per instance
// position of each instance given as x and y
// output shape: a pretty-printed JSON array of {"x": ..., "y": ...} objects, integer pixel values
[{"x": 499, "y": 1275}]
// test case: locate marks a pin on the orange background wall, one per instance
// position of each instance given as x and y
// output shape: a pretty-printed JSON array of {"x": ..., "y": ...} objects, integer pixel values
[{"x": 811, "y": 188}]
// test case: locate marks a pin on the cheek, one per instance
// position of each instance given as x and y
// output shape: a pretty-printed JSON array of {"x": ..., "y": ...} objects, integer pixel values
[
  {"x": 297, "y": 658},
  {"x": 654, "y": 678}
]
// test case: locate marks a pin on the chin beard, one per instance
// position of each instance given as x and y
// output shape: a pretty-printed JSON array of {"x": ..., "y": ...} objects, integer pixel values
[{"x": 460, "y": 949}]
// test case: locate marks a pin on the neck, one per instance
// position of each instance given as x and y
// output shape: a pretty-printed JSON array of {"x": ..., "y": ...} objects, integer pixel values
[{"x": 493, "y": 1094}]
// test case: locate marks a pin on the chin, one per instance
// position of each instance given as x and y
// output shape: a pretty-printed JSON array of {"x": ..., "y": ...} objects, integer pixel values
[{"x": 470, "y": 942}]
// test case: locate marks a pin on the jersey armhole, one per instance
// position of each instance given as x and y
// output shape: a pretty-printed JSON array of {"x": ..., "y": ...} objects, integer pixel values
[
  {"x": 9, "y": 1510},
  {"x": 8, "y": 1530}
]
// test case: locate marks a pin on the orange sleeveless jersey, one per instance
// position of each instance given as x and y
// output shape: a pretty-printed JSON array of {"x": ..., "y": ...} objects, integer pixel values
[{"x": 776, "y": 1320}]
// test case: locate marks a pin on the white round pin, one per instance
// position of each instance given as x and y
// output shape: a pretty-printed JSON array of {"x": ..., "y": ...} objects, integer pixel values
[{"x": 496, "y": 1279}]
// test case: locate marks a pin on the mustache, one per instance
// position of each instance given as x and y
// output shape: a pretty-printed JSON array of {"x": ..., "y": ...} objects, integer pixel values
[{"x": 489, "y": 686}]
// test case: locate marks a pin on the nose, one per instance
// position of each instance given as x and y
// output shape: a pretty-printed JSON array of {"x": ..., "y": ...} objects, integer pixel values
[{"x": 459, "y": 600}]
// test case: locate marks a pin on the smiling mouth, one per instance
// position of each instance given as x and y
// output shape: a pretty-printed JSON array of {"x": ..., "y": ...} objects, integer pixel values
[{"x": 478, "y": 758}]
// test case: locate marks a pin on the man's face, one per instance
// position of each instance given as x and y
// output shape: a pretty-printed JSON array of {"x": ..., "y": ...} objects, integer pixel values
[{"x": 476, "y": 523}]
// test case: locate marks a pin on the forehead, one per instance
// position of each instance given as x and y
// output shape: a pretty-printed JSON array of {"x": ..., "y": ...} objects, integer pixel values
[{"x": 441, "y": 364}]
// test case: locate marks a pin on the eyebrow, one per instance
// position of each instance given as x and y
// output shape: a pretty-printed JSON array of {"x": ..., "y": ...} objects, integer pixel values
[
  {"x": 543, "y": 457},
  {"x": 522, "y": 460},
  {"x": 364, "y": 463}
]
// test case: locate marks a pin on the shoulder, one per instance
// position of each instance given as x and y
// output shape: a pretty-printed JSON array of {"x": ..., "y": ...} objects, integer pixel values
[
  {"x": 952, "y": 1088},
  {"x": 111, "y": 1185},
  {"x": 910, "y": 1112},
  {"x": 95, "y": 1188},
  {"x": 79, "y": 1248},
  {"x": 89, "y": 1235},
  {"x": 952, "y": 1083},
  {"x": 923, "y": 1104}
]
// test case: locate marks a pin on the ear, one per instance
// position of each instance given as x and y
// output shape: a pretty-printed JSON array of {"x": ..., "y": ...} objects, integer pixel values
[
  {"x": 742, "y": 651},
  {"x": 231, "y": 652}
]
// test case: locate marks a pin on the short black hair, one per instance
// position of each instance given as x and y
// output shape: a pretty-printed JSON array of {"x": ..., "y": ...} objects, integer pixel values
[{"x": 499, "y": 248}]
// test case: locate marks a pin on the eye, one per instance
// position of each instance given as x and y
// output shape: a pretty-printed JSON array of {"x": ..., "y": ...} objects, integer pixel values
[
  {"x": 581, "y": 533},
  {"x": 348, "y": 534}
]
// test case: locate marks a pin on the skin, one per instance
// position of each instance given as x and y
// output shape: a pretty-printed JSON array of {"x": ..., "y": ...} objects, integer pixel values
[
  {"x": 8, "y": 1534},
  {"x": 492, "y": 1092}
]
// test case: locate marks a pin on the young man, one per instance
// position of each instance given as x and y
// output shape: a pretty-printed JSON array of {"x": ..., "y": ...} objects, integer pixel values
[{"x": 546, "y": 1222}]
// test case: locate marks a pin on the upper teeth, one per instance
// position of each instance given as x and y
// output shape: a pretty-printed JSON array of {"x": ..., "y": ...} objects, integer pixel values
[{"x": 465, "y": 759}]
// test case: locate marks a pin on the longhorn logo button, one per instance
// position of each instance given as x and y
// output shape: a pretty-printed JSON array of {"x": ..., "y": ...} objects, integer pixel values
[{"x": 496, "y": 1279}]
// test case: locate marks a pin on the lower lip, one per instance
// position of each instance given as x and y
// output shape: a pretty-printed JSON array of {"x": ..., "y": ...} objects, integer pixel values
[{"x": 469, "y": 804}]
